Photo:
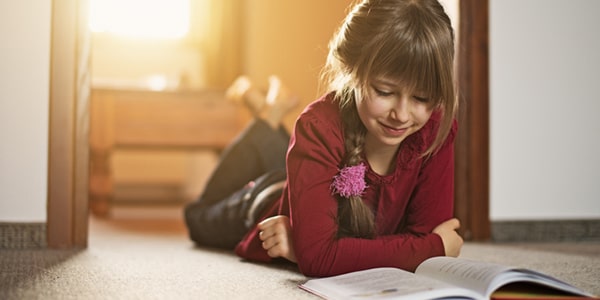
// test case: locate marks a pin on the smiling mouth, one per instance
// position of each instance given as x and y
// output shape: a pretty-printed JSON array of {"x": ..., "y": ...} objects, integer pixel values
[{"x": 394, "y": 130}]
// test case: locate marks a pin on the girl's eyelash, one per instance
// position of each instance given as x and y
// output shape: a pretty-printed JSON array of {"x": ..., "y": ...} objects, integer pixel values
[
  {"x": 382, "y": 93},
  {"x": 387, "y": 94},
  {"x": 421, "y": 99}
]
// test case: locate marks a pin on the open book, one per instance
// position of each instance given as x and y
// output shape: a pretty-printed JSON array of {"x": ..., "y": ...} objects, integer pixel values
[{"x": 444, "y": 278}]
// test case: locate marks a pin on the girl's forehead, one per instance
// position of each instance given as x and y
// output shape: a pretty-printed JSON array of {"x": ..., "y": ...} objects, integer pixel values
[{"x": 386, "y": 80}]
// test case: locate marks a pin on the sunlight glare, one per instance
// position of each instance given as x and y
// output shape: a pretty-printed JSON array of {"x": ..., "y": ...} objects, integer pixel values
[{"x": 141, "y": 18}]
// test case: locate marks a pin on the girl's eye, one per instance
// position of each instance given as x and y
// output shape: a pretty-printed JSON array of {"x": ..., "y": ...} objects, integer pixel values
[
  {"x": 421, "y": 99},
  {"x": 382, "y": 93}
]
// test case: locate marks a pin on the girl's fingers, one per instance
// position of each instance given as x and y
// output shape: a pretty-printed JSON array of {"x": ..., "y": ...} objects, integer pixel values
[
  {"x": 268, "y": 244},
  {"x": 268, "y": 222},
  {"x": 271, "y": 238},
  {"x": 275, "y": 246},
  {"x": 454, "y": 223},
  {"x": 265, "y": 234},
  {"x": 451, "y": 224},
  {"x": 274, "y": 234},
  {"x": 271, "y": 226},
  {"x": 268, "y": 232}
]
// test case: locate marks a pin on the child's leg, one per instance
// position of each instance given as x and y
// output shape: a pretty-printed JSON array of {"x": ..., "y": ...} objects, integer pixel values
[
  {"x": 261, "y": 147},
  {"x": 228, "y": 206},
  {"x": 220, "y": 215},
  {"x": 258, "y": 150}
]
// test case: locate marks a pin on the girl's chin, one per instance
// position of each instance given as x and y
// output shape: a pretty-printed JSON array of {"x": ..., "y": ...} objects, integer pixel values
[{"x": 390, "y": 141}]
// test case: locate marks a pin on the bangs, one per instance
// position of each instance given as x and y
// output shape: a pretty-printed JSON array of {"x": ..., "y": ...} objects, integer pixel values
[{"x": 413, "y": 64}]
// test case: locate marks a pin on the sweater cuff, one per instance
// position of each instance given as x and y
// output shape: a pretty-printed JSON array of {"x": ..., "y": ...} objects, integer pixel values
[
  {"x": 437, "y": 245},
  {"x": 431, "y": 246}
]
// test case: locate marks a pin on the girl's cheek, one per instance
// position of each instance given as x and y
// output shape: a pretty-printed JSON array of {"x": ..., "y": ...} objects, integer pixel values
[{"x": 379, "y": 106}]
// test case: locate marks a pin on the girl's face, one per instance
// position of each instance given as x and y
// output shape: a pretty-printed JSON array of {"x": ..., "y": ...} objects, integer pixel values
[{"x": 391, "y": 112}]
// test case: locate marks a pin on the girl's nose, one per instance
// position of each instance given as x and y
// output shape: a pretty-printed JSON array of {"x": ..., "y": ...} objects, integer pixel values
[{"x": 401, "y": 111}]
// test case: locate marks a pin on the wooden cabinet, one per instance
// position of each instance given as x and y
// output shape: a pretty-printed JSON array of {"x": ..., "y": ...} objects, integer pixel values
[{"x": 147, "y": 120}]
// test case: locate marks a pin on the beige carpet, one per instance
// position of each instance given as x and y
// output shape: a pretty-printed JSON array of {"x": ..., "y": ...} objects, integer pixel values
[{"x": 140, "y": 259}]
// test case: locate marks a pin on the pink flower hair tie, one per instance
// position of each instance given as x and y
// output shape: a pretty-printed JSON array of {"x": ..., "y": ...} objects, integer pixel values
[{"x": 350, "y": 181}]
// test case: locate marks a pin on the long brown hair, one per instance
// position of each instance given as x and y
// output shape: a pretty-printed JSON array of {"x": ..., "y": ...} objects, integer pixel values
[{"x": 411, "y": 40}]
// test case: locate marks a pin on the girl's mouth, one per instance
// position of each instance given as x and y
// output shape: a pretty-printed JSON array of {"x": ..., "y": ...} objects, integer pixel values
[{"x": 394, "y": 131}]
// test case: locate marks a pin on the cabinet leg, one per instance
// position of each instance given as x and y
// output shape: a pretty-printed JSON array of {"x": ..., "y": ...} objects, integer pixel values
[{"x": 100, "y": 184}]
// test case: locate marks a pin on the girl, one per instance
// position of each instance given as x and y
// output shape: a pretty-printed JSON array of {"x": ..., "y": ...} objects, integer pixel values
[{"x": 369, "y": 166}]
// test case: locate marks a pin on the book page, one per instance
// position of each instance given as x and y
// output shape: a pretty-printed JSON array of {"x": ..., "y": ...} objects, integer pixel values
[
  {"x": 485, "y": 278},
  {"x": 383, "y": 283},
  {"x": 472, "y": 275}
]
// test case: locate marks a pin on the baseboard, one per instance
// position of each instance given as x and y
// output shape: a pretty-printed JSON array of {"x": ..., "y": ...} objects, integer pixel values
[
  {"x": 33, "y": 235},
  {"x": 546, "y": 231},
  {"x": 22, "y": 235}
]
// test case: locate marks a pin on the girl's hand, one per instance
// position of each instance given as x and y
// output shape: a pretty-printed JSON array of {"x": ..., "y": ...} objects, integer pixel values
[
  {"x": 452, "y": 241},
  {"x": 276, "y": 234}
]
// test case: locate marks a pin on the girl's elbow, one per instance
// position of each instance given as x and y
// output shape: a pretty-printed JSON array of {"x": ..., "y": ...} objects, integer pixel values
[
  {"x": 306, "y": 265},
  {"x": 316, "y": 266},
  {"x": 309, "y": 265},
  {"x": 310, "y": 270}
]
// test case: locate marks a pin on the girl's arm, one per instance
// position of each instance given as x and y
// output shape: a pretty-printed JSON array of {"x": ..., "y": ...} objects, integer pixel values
[
  {"x": 432, "y": 201},
  {"x": 432, "y": 204}
]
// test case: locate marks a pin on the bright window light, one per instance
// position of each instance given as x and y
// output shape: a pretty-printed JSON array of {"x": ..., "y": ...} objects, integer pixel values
[{"x": 141, "y": 18}]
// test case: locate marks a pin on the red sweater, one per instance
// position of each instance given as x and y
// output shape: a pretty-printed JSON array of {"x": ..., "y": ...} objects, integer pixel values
[{"x": 408, "y": 203}]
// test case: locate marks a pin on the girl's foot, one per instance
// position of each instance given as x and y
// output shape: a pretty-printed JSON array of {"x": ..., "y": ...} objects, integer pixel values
[
  {"x": 279, "y": 102},
  {"x": 243, "y": 91}
]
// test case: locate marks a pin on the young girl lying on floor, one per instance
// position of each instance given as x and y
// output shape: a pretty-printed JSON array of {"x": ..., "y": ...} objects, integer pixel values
[{"x": 366, "y": 178}]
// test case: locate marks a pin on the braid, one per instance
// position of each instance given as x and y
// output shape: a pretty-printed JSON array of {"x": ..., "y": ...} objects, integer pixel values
[{"x": 355, "y": 218}]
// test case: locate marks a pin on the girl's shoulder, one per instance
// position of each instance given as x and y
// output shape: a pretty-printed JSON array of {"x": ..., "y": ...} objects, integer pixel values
[
  {"x": 325, "y": 111},
  {"x": 318, "y": 133},
  {"x": 323, "y": 106}
]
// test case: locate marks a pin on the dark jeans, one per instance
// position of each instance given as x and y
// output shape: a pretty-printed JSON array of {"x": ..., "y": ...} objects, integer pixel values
[{"x": 218, "y": 217}]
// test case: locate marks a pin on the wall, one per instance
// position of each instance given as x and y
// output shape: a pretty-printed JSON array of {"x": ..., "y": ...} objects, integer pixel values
[
  {"x": 150, "y": 62},
  {"x": 544, "y": 64},
  {"x": 289, "y": 38},
  {"x": 24, "y": 94},
  {"x": 145, "y": 61}
]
